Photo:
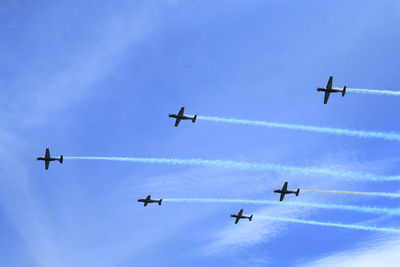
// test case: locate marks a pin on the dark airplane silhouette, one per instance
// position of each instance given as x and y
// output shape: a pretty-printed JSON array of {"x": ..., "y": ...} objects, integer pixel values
[
  {"x": 148, "y": 200},
  {"x": 241, "y": 216},
  {"x": 328, "y": 90},
  {"x": 180, "y": 117},
  {"x": 47, "y": 159},
  {"x": 284, "y": 191}
]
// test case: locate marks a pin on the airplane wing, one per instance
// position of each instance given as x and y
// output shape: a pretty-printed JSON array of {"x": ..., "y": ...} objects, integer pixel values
[
  {"x": 327, "y": 94},
  {"x": 46, "y": 164},
  {"x": 240, "y": 213},
  {"x": 47, "y": 153},
  {"x": 145, "y": 203},
  {"x": 177, "y": 121},
  {"x": 284, "y": 189},
  {"x": 237, "y": 220},
  {"x": 181, "y": 111},
  {"x": 329, "y": 85}
]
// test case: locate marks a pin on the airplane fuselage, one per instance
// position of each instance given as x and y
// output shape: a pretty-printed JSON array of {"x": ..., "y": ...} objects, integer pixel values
[
  {"x": 48, "y": 159},
  {"x": 329, "y": 90},
  {"x": 238, "y": 217},
  {"x": 148, "y": 201},
  {"x": 285, "y": 192},
  {"x": 183, "y": 117}
]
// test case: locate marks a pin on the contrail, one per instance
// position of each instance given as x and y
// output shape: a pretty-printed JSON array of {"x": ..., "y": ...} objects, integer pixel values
[
  {"x": 363, "y": 209},
  {"x": 375, "y": 194},
  {"x": 340, "y": 225},
  {"x": 250, "y": 166},
  {"x": 371, "y": 91},
  {"x": 392, "y": 136}
]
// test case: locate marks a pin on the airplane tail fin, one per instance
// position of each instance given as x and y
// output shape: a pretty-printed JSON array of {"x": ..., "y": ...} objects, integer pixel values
[
  {"x": 251, "y": 218},
  {"x": 344, "y": 90},
  {"x": 194, "y": 118},
  {"x": 61, "y": 159},
  {"x": 297, "y": 193},
  {"x": 159, "y": 202}
]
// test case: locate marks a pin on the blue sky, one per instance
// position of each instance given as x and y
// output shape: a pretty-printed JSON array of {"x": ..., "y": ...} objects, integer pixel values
[{"x": 99, "y": 79}]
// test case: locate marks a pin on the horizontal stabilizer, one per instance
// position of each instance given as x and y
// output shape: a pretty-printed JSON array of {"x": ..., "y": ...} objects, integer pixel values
[
  {"x": 159, "y": 202},
  {"x": 297, "y": 192},
  {"x": 61, "y": 159},
  {"x": 251, "y": 218},
  {"x": 194, "y": 118},
  {"x": 344, "y": 90}
]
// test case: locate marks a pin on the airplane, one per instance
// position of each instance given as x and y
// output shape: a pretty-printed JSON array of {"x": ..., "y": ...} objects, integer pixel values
[
  {"x": 148, "y": 200},
  {"x": 284, "y": 191},
  {"x": 328, "y": 90},
  {"x": 240, "y": 216},
  {"x": 47, "y": 159},
  {"x": 180, "y": 117}
]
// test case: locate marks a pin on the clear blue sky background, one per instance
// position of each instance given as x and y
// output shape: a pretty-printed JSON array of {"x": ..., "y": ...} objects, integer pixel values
[{"x": 99, "y": 79}]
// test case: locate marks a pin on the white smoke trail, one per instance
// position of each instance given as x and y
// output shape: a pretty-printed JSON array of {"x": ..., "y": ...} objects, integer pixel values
[
  {"x": 392, "y": 136},
  {"x": 375, "y": 194},
  {"x": 363, "y": 209},
  {"x": 372, "y": 91},
  {"x": 250, "y": 166},
  {"x": 340, "y": 225}
]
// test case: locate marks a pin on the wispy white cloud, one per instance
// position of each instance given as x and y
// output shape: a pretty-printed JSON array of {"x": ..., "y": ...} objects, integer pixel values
[
  {"x": 247, "y": 235},
  {"x": 51, "y": 89},
  {"x": 375, "y": 254},
  {"x": 250, "y": 234},
  {"x": 33, "y": 100},
  {"x": 206, "y": 182},
  {"x": 52, "y": 245},
  {"x": 22, "y": 207}
]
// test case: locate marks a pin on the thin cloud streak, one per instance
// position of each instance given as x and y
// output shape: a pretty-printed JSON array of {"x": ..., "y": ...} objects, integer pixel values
[
  {"x": 390, "y": 136},
  {"x": 331, "y": 224},
  {"x": 248, "y": 166},
  {"x": 372, "y": 194},
  {"x": 374, "y": 92},
  {"x": 364, "y": 209}
]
